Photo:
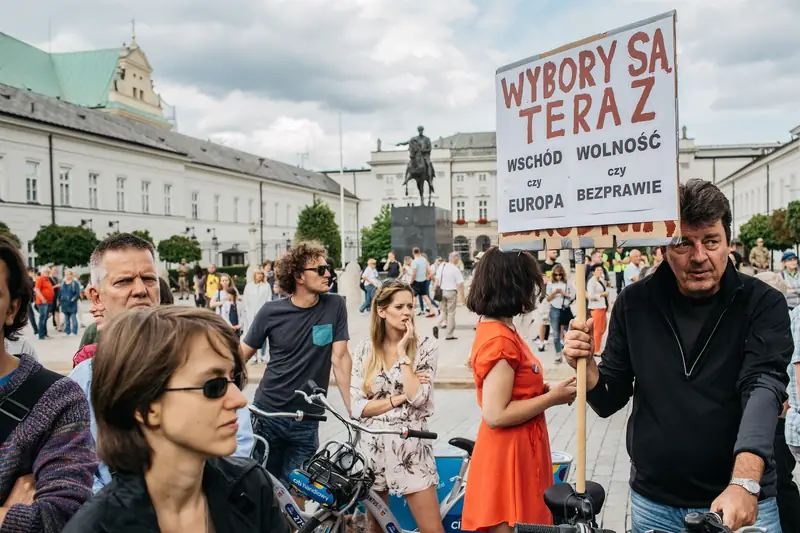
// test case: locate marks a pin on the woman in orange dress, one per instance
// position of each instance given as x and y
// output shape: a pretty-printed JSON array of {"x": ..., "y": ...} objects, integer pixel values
[{"x": 511, "y": 465}]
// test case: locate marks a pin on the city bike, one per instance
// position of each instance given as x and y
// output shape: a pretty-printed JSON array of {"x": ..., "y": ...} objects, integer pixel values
[
  {"x": 300, "y": 517},
  {"x": 693, "y": 522}
]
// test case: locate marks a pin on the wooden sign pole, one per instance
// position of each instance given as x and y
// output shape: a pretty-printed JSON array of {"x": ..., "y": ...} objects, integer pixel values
[{"x": 580, "y": 401}]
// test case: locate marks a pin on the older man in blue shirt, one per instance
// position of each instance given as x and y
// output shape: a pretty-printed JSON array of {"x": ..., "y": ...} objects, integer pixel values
[{"x": 124, "y": 276}]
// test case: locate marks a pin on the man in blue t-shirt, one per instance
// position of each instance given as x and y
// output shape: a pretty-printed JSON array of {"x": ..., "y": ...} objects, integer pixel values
[{"x": 307, "y": 335}]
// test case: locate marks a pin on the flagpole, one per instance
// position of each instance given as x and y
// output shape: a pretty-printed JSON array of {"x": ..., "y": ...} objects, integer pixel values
[{"x": 341, "y": 188}]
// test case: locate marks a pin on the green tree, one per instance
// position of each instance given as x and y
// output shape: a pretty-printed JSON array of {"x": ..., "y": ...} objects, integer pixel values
[
  {"x": 757, "y": 226},
  {"x": 144, "y": 235},
  {"x": 64, "y": 245},
  {"x": 317, "y": 222},
  {"x": 179, "y": 247},
  {"x": 782, "y": 234},
  {"x": 376, "y": 240},
  {"x": 4, "y": 230},
  {"x": 793, "y": 219}
]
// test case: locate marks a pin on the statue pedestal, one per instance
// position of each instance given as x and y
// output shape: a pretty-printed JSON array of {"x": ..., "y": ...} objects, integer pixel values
[{"x": 428, "y": 228}]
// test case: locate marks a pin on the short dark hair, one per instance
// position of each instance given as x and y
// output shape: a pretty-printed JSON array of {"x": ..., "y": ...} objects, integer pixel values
[
  {"x": 137, "y": 355},
  {"x": 18, "y": 285},
  {"x": 415, "y": 251},
  {"x": 504, "y": 284},
  {"x": 702, "y": 204},
  {"x": 596, "y": 266},
  {"x": 291, "y": 264},
  {"x": 165, "y": 292},
  {"x": 118, "y": 241}
]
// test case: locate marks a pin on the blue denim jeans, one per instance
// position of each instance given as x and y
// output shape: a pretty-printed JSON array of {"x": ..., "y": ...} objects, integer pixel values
[
  {"x": 291, "y": 443},
  {"x": 648, "y": 515},
  {"x": 555, "y": 328},
  {"x": 44, "y": 310},
  {"x": 369, "y": 291},
  {"x": 71, "y": 323}
]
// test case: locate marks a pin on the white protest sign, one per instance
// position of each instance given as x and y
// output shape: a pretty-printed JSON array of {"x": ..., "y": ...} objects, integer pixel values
[{"x": 587, "y": 134}]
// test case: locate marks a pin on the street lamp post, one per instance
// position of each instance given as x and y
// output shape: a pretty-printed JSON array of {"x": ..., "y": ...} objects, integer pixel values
[{"x": 214, "y": 243}]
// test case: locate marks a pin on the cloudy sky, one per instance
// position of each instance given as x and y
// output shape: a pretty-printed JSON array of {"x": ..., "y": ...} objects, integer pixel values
[{"x": 271, "y": 76}]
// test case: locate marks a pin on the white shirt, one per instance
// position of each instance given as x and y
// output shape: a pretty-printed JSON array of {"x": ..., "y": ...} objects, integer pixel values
[
  {"x": 372, "y": 276},
  {"x": 631, "y": 271},
  {"x": 450, "y": 277}
]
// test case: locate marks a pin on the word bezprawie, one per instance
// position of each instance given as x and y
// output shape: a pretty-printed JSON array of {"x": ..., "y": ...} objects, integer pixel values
[
  {"x": 543, "y": 80},
  {"x": 619, "y": 191}
]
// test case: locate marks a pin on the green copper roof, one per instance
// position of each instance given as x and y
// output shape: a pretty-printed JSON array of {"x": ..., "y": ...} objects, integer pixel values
[{"x": 81, "y": 78}]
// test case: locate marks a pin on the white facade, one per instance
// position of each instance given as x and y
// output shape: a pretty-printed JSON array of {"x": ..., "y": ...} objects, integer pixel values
[
  {"x": 466, "y": 174},
  {"x": 114, "y": 185},
  {"x": 465, "y": 183},
  {"x": 766, "y": 184}
]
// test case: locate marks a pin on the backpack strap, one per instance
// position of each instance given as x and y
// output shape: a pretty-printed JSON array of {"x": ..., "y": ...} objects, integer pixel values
[{"x": 17, "y": 405}]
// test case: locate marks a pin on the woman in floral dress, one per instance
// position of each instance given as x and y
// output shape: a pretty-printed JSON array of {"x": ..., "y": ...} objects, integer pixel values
[{"x": 391, "y": 387}]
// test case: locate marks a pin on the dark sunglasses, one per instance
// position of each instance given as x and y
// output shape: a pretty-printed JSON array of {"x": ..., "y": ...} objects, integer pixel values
[
  {"x": 320, "y": 270},
  {"x": 215, "y": 388}
]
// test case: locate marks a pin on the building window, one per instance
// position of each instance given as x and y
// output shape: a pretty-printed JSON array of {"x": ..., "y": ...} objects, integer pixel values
[
  {"x": 135, "y": 93},
  {"x": 120, "y": 194},
  {"x": 167, "y": 199},
  {"x": 194, "y": 206},
  {"x": 93, "y": 178},
  {"x": 459, "y": 178},
  {"x": 389, "y": 180},
  {"x": 145, "y": 197},
  {"x": 483, "y": 211},
  {"x": 236, "y": 210},
  {"x": 63, "y": 185},
  {"x": 216, "y": 207},
  {"x": 482, "y": 177},
  {"x": 31, "y": 255},
  {"x": 275, "y": 216},
  {"x": 32, "y": 181},
  {"x": 461, "y": 211},
  {"x": 250, "y": 218}
]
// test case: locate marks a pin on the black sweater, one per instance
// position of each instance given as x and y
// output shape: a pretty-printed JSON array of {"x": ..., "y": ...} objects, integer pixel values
[{"x": 689, "y": 421}]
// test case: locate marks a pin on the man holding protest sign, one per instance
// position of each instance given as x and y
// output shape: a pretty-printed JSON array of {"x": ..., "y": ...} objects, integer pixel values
[{"x": 708, "y": 350}]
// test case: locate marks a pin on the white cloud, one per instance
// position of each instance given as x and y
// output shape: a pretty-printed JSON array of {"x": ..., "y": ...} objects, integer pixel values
[{"x": 271, "y": 77}]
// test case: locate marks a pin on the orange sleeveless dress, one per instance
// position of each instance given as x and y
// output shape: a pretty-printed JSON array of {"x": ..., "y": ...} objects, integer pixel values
[{"x": 511, "y": 467}]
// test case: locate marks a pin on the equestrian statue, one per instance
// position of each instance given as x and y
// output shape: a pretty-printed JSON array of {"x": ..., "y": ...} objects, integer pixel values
[{"x": 419, "y": 166}]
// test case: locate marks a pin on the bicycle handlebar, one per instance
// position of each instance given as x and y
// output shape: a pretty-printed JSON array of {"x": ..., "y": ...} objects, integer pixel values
[
  {"x": 300, "y": 416},
  {"x": 564, "y": 528},
  {"x": 319, "y": 399}
]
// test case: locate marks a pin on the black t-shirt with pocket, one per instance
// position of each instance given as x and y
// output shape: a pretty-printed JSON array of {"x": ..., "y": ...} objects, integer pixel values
[{"x": 300, "y": 348}]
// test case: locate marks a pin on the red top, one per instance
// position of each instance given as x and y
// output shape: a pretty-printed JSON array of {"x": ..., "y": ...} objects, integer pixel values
[
  {"x": 46, "y": 288},
  {"x": 511, "y": 466},
  {"x": 85, "y": 353}
]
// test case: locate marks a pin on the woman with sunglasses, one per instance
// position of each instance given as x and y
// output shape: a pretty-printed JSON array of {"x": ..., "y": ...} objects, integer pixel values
[
  {"x": 391, "y": 386},
  {"x": 165, "y": 392}
]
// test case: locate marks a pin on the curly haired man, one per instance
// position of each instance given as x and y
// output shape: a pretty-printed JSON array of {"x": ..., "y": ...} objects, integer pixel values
[{"x": 307, "y": 335}]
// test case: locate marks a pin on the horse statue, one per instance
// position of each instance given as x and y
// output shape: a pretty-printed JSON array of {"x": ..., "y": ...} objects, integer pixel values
[{"x": 420, "y": 170}]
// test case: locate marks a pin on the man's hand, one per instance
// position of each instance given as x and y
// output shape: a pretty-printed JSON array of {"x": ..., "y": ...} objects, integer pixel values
[
  {"x": 578, "y": 344},
  {"x": 739, "y": 508}
]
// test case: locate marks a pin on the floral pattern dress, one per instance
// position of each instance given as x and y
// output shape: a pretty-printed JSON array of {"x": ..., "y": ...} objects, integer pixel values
[{"x": 400, "y": 466}]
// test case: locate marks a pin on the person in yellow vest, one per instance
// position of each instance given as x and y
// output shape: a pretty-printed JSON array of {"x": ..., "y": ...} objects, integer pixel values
[
  {"x": 620, "y": 260},
  {"x": 211, "y": 283}
]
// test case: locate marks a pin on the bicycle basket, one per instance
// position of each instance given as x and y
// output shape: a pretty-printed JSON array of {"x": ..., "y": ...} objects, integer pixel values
[{"x": 322, "y": 480}]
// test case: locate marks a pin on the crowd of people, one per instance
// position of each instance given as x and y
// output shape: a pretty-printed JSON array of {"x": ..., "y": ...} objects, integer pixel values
[{"x": 151, "y": 432}]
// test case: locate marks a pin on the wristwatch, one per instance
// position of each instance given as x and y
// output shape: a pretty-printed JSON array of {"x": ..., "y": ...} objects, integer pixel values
[
  {"x": 404, "y": 360},
  {"x": 750, "y": 485}
]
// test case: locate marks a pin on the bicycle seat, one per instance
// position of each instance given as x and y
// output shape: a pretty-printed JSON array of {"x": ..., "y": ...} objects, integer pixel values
[{"x": 462, "y": 444}]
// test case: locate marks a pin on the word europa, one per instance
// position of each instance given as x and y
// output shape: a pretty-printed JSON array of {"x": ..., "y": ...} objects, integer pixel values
[
  {"x": 535, "y": 203},
  {"x": 619, "y": 191},
  {"x": 630, "y": 145},
  {"x": 541, "y": 82}
]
